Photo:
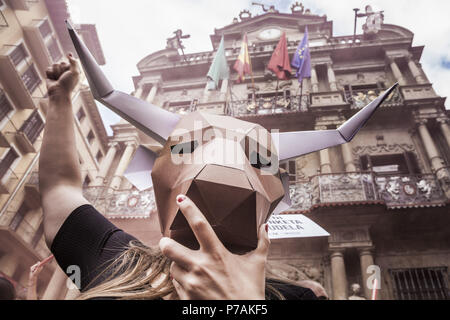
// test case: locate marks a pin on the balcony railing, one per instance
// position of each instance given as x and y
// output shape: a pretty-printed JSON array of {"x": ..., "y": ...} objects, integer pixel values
[
  {"x": 362, "y": 97},
  {"x": 33, "y": 126},
  {"x": 121, "y": 203},
  {"x": 395, "y": 191},
  {"x": 269, "y": 105}
]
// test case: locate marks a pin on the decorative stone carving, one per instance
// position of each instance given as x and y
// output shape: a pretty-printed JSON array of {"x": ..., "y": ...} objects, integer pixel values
[
  {"x": 297, "y": 7},
  {"x": 407, "y": 190},
  {"x": 383, "y": 148},
  {"x": 350, "y": 187},
  {"x": 296, "y": 271}
]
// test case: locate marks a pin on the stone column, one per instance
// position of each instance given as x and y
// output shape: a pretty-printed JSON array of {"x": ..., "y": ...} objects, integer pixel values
[
  {"x": 324, "y": 155},
  {"x": 331, "y": 77},
  {"x": 206, "y": 93},
  {"x": 417, "y": 74},
  {"x": 56, "y": 285},
  {"x": 338, "y": 276},
  {"x": 138, "y": 92},
  {"x": 152, "y": 93},
  {"x": 443, "y": 124},
  {"x": 105, "y": 165},
  {"x": 396, "y": 71},
  {"x": 437, "y": 163},
  {"x": 325, "y": 163},
  {"x": 314, "y": 81},
  {"x": 366, "y": 260},
  {"x": 348, "y": 157},
  {"x": 430, "y": 147},
  {"x": 123, "y": 163}
]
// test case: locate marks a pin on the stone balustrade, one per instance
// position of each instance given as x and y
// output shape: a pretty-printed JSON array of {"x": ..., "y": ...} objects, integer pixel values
[
  {"x": 395, "y": 191},
  {"x": 269, "y": 105}
]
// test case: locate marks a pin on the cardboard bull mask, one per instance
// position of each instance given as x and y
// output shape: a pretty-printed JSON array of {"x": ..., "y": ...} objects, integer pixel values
[{"x": 228, "y": 167}]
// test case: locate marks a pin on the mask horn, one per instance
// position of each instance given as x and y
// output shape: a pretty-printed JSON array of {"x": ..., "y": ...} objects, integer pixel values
[
  {"x": 285, "y": 203},
  {"x": 294, "y": 144},
  {"x": 140, "y": 168},
  {"x": 152, "y": 120}
]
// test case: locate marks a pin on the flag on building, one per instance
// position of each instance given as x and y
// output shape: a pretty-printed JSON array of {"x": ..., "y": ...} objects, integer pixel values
[
  {"x": 302, "y": 59},
  {"x": 219, "y": 68},
  {"x": 242, "y": 64},
  {"x": 279, "y": 63}
]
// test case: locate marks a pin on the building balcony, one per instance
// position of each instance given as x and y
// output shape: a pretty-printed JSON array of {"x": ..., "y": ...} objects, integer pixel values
[
  {"x": 32, "y": 195},
  {"x": 42, "y": 44},
  {"x": 359, "y": 98},
  {"x": 269, "y": 105},
  {"x": 394, "y": 191},
  {"x": 327, "y": 99},
  {"x": 323, "y": 190},
  {"x": 121, "y": 203},
  {"x": 28, "y": 133},
  {"x": 20, "y": 85},
  {"x": 418, "y": 92}
]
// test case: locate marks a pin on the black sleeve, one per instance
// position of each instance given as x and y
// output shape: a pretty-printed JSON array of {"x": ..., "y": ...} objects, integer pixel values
[{"x": 90, "y": 241}]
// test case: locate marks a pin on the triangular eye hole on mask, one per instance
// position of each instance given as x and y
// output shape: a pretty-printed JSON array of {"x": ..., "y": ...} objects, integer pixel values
[
  {"x": 259, "y": 162},
  {"x": 183, "y": 148}
]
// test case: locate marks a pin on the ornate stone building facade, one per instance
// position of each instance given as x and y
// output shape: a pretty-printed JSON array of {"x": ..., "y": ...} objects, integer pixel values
[
  {"x": 383, "y": 197},
  {"x": 29, "y": 43}
]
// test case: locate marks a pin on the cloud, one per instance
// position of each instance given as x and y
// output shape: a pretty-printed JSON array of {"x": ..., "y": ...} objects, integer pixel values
[{"x": 129, "y": 32}]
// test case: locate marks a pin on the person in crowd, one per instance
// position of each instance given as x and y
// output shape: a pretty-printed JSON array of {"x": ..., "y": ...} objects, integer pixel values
[
  {"x": 7, "y": 290},
  {"x": 112, "y": 263}
]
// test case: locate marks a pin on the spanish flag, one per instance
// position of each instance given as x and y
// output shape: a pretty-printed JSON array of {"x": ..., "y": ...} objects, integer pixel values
[{"x": 243, "y": 65}]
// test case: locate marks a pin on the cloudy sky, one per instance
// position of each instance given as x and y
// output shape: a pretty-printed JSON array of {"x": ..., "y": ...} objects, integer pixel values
[{"x": 131, "y": 30}]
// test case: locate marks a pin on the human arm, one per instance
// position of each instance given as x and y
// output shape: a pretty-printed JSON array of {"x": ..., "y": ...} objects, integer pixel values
[
  {"x": 213, "y": 272},
  {"x": 35, "y": 270},
  {"x": 60, "y": 182}
]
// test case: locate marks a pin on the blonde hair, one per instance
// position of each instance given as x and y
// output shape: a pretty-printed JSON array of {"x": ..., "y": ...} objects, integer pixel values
[{"x": 131, "y": 275}]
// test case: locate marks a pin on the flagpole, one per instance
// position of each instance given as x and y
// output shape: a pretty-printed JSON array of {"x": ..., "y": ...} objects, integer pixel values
[
  {"x": 301, "y": 94},
  {"x": 251, "y": 74}
]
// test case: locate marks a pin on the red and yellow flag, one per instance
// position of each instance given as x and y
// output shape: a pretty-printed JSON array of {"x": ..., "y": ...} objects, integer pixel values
[{"x": 243, "y": 65}]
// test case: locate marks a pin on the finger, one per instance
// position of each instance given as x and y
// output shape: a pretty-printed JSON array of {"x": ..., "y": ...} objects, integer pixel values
[
  {"x": 73, "y": 63},
  {"x": 176, "y": 252},
  {"x": 49, "y": 74},
  {"x": 46, "y": 260},
  {"x": 263, "y": 242},
  {"x": 56, "y": 70},
  {"x": 203, "y": 231},
  {"x": 64, "y": 66},
  {"x": 177, "y": 272},
  {"x": 180, "y": 291}
]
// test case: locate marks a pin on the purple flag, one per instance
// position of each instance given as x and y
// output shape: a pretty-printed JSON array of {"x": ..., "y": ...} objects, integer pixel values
[{"x": 302, "y": 59}]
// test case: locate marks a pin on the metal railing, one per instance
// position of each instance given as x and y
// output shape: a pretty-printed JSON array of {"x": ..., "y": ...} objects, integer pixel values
[
  {"x": 359, "y": 98},
  {"x": 269, "y": 105},
  {"x": 121, "y": 203},
  {"x": 395, "y": 191}
]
